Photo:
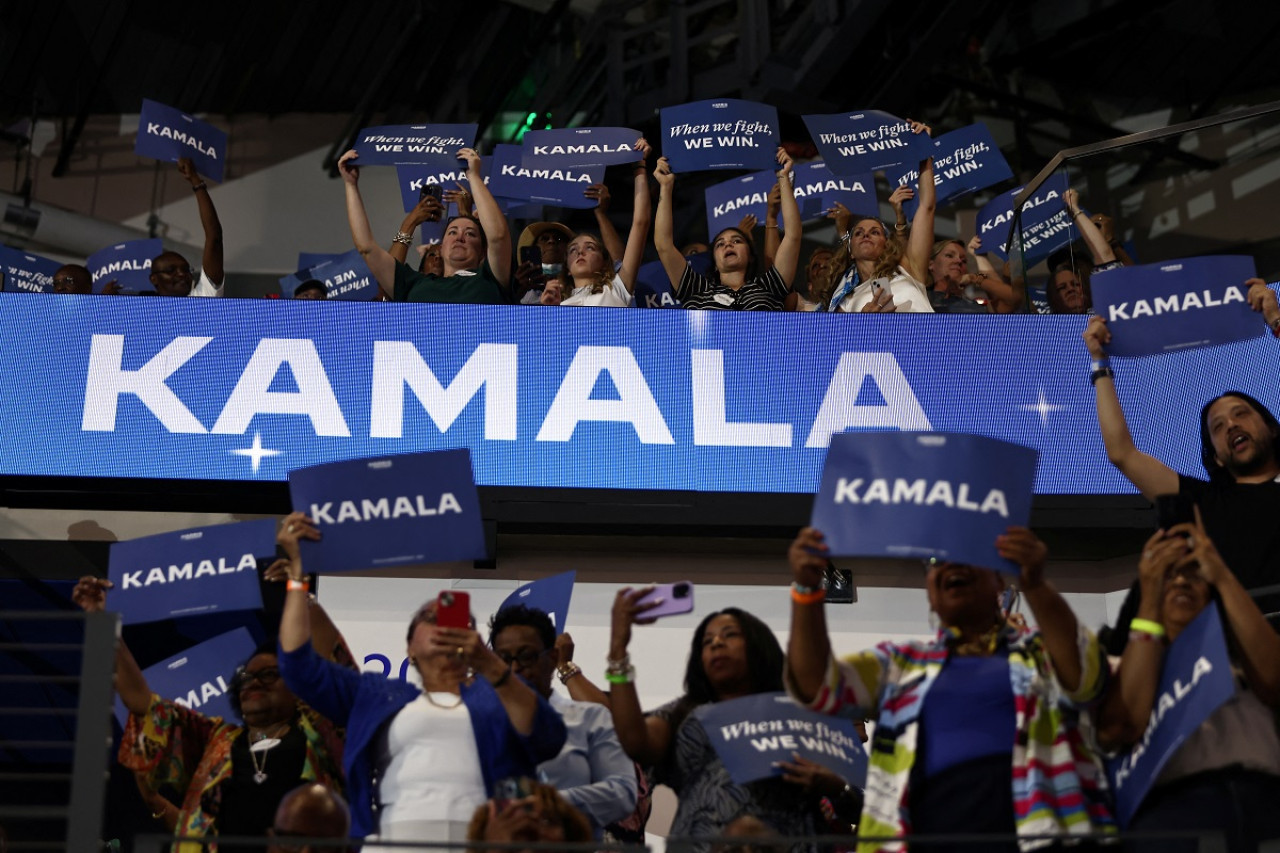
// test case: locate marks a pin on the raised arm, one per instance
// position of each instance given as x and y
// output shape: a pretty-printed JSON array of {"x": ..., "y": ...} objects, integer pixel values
[
  {"x": 428, "y": 209},
  {"x": 772, "y": 239},
  {"x": 491, "y": 219},
  {"x": 1001, "y": 292},
  {"x": 645, "y": 739},
  {"x": 788, "y": 253},
  {"x": 641, "y": 219},
  {"x": 1148, "y": 474},
  {"x": 90, "y": 594},
  {"x": 809, "y": 646},
  {"x": 1093, "y": 238},
  {"x": 664, "y": 226},
  {"x": 580, "y": 688},
  {"x": 920, "y": 240},
  {"x": 1263, "y": 300},
  {"x": 379, "y": 260},
  {"x": 211, "y": 263},
  {"x": 608, "y": 234}
]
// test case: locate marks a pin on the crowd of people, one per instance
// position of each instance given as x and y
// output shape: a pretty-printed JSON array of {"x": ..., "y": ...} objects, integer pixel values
[
  {"x": 871, "y": 268},
  {"x": 988, "y": 727}
]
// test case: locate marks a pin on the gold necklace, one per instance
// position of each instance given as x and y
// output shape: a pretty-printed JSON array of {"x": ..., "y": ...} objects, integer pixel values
[{"x": 427, "y": 693}]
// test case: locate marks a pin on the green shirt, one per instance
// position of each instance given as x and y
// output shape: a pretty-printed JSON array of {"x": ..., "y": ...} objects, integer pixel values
[{"x": 476, "y": 286}]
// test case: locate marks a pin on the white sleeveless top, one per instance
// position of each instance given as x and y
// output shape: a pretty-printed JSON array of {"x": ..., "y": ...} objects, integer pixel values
[{"x": 909, "y": 295}]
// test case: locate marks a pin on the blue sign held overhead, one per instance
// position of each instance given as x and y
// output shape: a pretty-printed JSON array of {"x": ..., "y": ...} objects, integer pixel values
[
  {"x": 1194, "y": 682},
  {"x": 190, "y": 572},
  {"x": 1176, "y": 305},
  {"x": 434, "y": 145},
  {"x": 346, "y": 277},
  {"x": 579, "y": 146},
  {"x": 24, "y": 272},
  {"x": 854, "y": 143},
  {"x": 563, "y": 187},
  {"x": 752, "y": 734},
  {"x": 168, "y": 134},
  {"x": 964, "y": 161},
  {"x": 128, "y": 264},
  {"x": 200, "y": 677},
  {"x": 720, "y": 134},
  {"x": 390, "y": 511},
  {"x": 920, "y": 495},
  {"x": 818, "y": 189},
  {"x": 550, "y": 595}
]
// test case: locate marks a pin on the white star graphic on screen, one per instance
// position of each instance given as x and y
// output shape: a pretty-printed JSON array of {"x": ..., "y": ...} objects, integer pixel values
[
  {"x": 1043, "y": 407},
  {"x": 257, "y": 452}
]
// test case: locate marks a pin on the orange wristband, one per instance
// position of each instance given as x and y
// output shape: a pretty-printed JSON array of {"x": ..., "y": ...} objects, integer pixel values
[
  {"x": 815, "y": 597},
  {"x": 292, "y": 585}
]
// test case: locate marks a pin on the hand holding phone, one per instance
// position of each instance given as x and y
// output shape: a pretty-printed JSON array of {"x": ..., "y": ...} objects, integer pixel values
[
  {"x": 670, "y": 598},
  {"x": 453, "y": 609}
]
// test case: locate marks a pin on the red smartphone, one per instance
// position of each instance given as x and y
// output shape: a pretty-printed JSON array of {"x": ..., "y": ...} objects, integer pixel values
[
  {"x": 453, "y": 609},
  {"x": 676, "y": 598}
]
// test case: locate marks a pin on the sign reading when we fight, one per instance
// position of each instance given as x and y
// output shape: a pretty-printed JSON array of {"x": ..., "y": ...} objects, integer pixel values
[
  {"x": 1176, "y": 305},
  {"x": 921, "y": 495},
  {"x": 1046, "y": 224},
  {"x": 433, "y": 145},
  {"x": 26, "y": 272},
  {"x": 390, "y": 511},
  {"x": 866, "y": 141},
  {"x": 720, "y": 134},
  {"x": 345, "y": 277},
  {"x": 168, "y": 134},
  {"x": 190, "y": 572},
  {"x": 964, "y": 161}
]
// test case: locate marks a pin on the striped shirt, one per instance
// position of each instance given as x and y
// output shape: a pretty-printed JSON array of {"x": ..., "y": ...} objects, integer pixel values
[
  {"x": 762, "y": 293},
  {"x": 1059, "y": 787}
]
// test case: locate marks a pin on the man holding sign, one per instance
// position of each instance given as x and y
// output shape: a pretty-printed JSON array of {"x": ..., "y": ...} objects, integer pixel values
[
  {"x": 959, "y": 717},
  {"x": 170, "y": 272}
]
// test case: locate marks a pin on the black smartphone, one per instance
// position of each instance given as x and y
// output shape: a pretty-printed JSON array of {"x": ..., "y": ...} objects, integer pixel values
[
  {"x": 432, "y": 190},
  {"x": 1174, "y": 509},
  {"x": 531, "y": 255}
]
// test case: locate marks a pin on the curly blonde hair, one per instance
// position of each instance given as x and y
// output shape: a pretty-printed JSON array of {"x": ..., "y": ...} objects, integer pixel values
[{"x": 887, "y": 264}]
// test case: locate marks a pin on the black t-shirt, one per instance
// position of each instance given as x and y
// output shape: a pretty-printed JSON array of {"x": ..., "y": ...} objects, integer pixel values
[{"x": 249, "y": 807}]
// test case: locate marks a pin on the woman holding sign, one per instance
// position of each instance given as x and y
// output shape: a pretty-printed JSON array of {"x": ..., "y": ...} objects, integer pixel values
[
  {"x": 735, "y": 281},
  {"x": 977, "y": 730},
  {"x": 1226, "y": 775},
  {"x": 733, "y": 655},
  {"x": 425, "y": 757},
  {"x": 476, "y": 249},
  {"x": 884, "y": 273}
]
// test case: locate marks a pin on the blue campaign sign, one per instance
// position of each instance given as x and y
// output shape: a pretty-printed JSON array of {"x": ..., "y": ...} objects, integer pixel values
[
  {"x": 818, "y": 189},
  {"x": 129, "y": 264},
  {"x": 964, "y": 161},
  {"x": 563, "y": 187},
  {"x": 435, "y": 145},
  {"x": 729, "y": 201},
  {"x": 200, "y": 677},
  {"x": 918, "y": 495},
  {"x": 1194, "y": 682},
  {"x": 866, "y": 141},
  {"x": 1176, "y": 305},
  {"x": 1046, "y": 225},
  {"x": 653, "y": 288},
  {"x": 550, "y": 595},
  {"x": 23, "y": 271},
  {"x": 168, "y": 134},
  {"x": 579, "y": 146},
  {"x": 230, "y": 389},
  {"x": 412, "y": 178},
  {"x": 346, "y": 277},
  {"x": 752, "y": 734},
  {"x": 720, "y": 134},
  {"x": 390, "y": 511},
  {"x": 190, "y": 572}
]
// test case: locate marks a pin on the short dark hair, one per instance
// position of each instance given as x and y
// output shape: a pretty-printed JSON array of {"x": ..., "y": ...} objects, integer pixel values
[
  {"x": 484, "y": 238},
  {"x": 311, "y": 284},
  {"x": 523, "y": 614},
  {"x": 764, "y": 657},
  {"x": 1217, "y": 472},
  {"x": 266, "y": 647}
]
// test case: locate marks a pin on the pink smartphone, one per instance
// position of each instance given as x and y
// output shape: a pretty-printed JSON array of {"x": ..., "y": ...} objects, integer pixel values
[
  {"x": 453, "y": 609},
  {"x": 676, "y": 598}
]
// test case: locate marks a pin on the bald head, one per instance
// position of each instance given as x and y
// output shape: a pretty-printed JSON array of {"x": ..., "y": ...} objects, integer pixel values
[
  {"x": 72, "y": 278},
  {"x": 312, "y": 811}
]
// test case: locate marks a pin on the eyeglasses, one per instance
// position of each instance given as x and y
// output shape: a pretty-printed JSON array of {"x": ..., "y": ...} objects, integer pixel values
[
  {"x": 525, "y": 659},
  {"x": 172, "y": 270},
  {"x": 66, "y": 279},
  {"x": 266, "y": 676}
]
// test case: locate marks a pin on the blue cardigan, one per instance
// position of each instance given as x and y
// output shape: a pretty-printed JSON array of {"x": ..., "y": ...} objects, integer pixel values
[{"x": 363, "y": 702}]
